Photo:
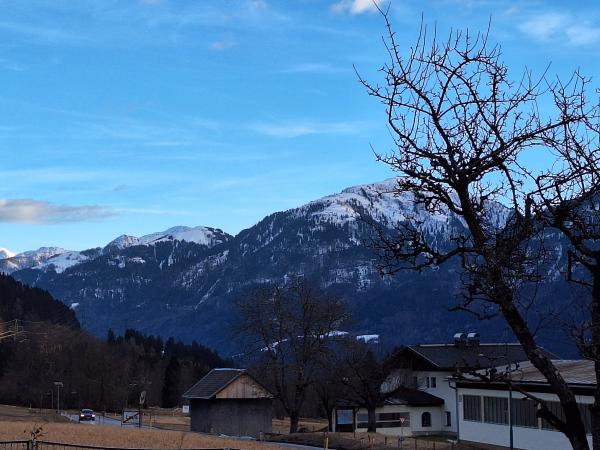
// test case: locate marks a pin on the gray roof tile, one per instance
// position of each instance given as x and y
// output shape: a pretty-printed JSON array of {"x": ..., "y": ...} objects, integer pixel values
[
  {"x": 214, "y": 381},
  {"x": 451, "y": 357}
]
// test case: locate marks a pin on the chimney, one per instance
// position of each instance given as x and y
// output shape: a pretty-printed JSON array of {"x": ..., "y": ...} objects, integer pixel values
[
  {"x": 460, "y": 339},
  {"x": 473, "y": 339}
]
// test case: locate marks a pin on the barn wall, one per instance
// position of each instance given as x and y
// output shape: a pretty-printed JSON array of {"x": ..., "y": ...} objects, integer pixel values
[
  {"x": 244, "y": 387},
  {"x": 234, "y": 417},
  {"x": 200, "y": 415}
]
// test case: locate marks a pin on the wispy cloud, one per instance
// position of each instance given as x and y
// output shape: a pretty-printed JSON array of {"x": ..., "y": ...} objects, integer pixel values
[
  {"x": 561, "y": 26},
  {"x": 41, "y": 33},
  {"x": 11, "y": 65},
  {"x": 356, "y": 6},
  {"x": 313, "y": 68},
  {"x": 300, "y": 128},
  {"x": 27, "y": 210},
  {"x": 223, "y": 44}
]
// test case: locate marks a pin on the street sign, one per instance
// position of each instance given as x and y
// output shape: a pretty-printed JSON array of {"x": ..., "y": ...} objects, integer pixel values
[
  {"x": 131, "y": 418},
  {"x": 143, "y": 398}
]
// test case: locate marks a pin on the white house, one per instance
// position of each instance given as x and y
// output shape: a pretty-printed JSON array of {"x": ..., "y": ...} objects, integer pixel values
[
  {"x": 484, "y": 407},
  {"x": 427, "y": 403}
]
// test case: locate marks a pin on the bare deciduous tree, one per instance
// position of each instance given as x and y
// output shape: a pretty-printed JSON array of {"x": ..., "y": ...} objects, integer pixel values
[
  {"x": 462, "y": 131},
  {"x": 568, "y": 200},
  {"x": 364, "y": 372},
  {"x": 290, "y": 327}
]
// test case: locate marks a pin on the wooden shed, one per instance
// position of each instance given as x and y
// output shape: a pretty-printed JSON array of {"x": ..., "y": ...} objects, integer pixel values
[{"x": 230, "y": 401}]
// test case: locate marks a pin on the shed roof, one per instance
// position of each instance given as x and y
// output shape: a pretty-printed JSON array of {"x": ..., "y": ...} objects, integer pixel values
[
  {"x": 215, "y": 381},
  {"x": 450, "y": 356}
]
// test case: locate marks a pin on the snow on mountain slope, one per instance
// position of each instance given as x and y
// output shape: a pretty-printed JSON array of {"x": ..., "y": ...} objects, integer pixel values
[
  {"x": 5, "y": 253},
  {"x": 381, "y": 203},
  {"x": 62, "y": 261},
  {"x": 32, "y": 258},
  {"x": 200, "y": 235},
  {"x": 377, "y": 200}
]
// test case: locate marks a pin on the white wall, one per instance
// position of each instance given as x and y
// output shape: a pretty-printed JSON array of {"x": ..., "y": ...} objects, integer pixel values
[
  {"x": 527, "y": 438},
  {"x": 443, "y": 391},
  {"x": 415, "y": 420}
]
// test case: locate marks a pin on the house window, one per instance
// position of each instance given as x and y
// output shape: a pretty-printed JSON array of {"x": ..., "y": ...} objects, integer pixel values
[
  {"x": 425, "y": 420},
  {"x": 448, "y": 419},
  {"x": 495, "y": 410},
  {"x": 524, "y": 413},
  {"x": 433, "y": 382},
  {"x": 472, "y": 407},
  {"x": 427, "y": 382}
]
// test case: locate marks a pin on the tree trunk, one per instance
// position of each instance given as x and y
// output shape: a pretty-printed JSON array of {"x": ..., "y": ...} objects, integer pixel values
[
  {"x": 372, "y": 423},
  {"x": 595, "y": 335},
  {"x": 574, "y": 429},
  {"x": 294, "y": 420},
  {"x": 329, "y": 413}
]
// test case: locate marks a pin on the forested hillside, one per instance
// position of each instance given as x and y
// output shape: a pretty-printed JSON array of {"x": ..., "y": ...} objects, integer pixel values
[{"x": 47, "y": 345}]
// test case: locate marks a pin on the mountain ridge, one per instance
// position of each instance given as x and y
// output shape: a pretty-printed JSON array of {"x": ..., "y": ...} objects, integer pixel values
[{"x": 176, "y": 287}]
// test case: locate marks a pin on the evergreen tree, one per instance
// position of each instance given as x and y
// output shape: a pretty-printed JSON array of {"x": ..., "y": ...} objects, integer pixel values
[{"x": 170, "y": 391}]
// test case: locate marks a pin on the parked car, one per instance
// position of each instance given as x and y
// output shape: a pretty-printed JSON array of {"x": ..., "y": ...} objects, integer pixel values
[{"x": 87, "y": 414}]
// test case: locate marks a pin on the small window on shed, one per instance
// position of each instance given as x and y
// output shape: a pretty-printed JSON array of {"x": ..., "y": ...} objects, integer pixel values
[
  {"x": 433, "y": 382},
  {"x": 426, "y": 419}
]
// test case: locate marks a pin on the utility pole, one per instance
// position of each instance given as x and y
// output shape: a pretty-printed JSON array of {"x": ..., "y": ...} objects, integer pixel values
[{"x": 58, "y": 385}]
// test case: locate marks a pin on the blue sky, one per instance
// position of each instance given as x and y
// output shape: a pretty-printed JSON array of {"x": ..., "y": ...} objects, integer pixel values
[{"x": 133, "y": 116}]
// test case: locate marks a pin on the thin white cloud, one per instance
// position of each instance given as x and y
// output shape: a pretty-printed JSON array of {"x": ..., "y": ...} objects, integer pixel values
[
  {"x": 312, "y": 68},
  {"x": 223, "y": 45},
  {"x": 544, "y": 26},
  {"x": 356, "y": 6},
  {"x": 583, "y": 34},
  {"x": 27, "y": 210},
  {"x": 299, "y": 128},
  {"x": 561, "y": 26},
  {"x": 11, "y": 65},
  {"x": 41, "y": 33}
]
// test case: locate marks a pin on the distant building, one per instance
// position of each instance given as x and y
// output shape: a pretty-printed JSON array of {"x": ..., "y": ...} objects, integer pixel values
[
  {"x": 422, "y": 401},
  {"x": 484, "y": 407},
  {"x": 231, "y": 402}
]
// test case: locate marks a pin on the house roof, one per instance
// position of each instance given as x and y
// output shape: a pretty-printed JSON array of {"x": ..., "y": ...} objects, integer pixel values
[
  {"x": 413, "y": 397},
  {"x": 574, "y": 372},
  {"x": 215, "y": 381},
  {"x": 450, "y": 357},
  {"x": 579, "y": 374},
  {"x": 577, "y": 371}
]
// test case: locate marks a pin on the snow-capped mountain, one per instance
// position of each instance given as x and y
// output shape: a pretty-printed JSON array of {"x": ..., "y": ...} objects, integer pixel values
[
  {"x": 5, "y": 253},
  {"x": 58, "y": 259},
  {"x": 184, "y": 281},
  {"x": 206, "y": 236},
  {"x": 32, "y": 258}
]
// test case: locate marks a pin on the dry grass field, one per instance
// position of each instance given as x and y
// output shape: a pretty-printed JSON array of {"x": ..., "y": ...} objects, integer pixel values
[
  {"x": 19, "y": 414},
  {"x": 17, "y": 423},
  {"x": 108, "y": 436}
]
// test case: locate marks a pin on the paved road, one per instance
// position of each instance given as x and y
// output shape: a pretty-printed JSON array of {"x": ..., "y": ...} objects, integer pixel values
[{"x": 101, "y": 420}]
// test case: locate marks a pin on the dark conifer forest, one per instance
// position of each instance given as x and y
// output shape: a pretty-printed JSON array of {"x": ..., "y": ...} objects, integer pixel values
[{"x": 42, "y": 343}]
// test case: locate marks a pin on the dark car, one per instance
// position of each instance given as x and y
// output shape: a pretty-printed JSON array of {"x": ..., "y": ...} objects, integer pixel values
[{"x": 86, "y": 414}]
